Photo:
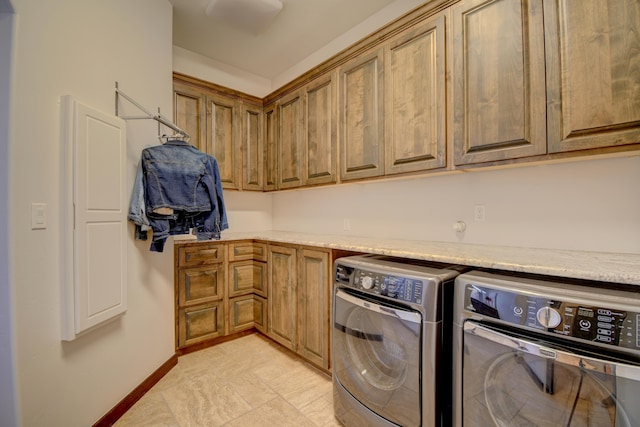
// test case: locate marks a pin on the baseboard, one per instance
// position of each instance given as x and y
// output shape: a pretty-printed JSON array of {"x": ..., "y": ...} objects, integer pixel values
[{"x": 125, "y": 404}]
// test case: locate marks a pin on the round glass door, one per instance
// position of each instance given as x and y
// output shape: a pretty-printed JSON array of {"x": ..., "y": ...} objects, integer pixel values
[{"x": 377, "y": 352}]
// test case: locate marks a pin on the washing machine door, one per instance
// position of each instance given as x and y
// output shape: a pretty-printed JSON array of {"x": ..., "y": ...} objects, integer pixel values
[
  {"x": 376, "y": 349},
  {"x": 517, "y": 380}
]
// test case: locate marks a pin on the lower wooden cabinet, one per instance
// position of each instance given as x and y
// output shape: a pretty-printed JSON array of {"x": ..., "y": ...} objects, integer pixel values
[
  {"x": 299, "y": 301},
  {"x": 283, "y": 291}
]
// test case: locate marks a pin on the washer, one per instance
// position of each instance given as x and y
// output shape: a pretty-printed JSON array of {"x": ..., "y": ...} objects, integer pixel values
[
  {"x": 387, "y": 340},
  {"x": 545, "y": 352}
]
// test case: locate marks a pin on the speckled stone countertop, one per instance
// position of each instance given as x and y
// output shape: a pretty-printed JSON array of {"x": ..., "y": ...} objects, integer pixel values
[{"x": 600, "y": 266}]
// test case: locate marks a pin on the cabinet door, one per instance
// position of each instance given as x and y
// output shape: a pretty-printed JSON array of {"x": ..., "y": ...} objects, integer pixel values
[
  {"x": 223, "y": 139},
  {"x": 241, "y": 312},
  {"x": 593, "y": 73},
  {"x": 282, "y": 295},
  {"x": 320, "y": 125},
  {"x": 246, "y": 276},
  {"x": 291, "y": 148},
  {"x": 260, "y": 314},
  {"x": 314, "y": 290},
  {"x": 361, "y": 117},
  {"x": 190, "y": 112},
  {"x": 200, "y": 323},
  {"x": 498, "y": 80},
  {"x": 252, "y": 149},
  {"x": 270, "y": 132},
  {"x": 200, "y": 284},
  {"x": 415, "y": 99}
]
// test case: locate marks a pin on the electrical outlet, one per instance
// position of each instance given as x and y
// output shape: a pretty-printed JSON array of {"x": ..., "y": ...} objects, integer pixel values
[
  {"x": 479, "y": 213},
  {"x": 346, "y": 224}
]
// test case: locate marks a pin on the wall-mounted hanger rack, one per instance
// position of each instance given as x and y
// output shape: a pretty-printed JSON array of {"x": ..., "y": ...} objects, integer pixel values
[{"x": 149, "y": 115}]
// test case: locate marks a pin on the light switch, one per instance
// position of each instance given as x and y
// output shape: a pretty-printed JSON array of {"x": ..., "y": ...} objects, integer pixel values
[{"x": 38, "y": 216}]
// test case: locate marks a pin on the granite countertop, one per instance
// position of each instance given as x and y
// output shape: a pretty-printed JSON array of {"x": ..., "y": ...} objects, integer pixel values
[{"x": 599, "y": 266}]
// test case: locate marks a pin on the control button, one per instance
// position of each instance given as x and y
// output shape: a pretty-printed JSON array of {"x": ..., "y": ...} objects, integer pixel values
[
  {"x": 605, "y": 318},
  {"x": 605, "y": 325},
  {"x": 585, "y": 324},
  {"x": 367, "y": 282},
  {"x": 517, "y": 310},
  {"x": 548, "y": 317},
  {"x": 604, "y": 332},
  {"x": 604, "y": 312}
]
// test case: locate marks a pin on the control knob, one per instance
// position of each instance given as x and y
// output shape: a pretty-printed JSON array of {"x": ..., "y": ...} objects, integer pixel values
[
  {"x": 548, "y": 317},
  {"x": 367, "y": 282}
]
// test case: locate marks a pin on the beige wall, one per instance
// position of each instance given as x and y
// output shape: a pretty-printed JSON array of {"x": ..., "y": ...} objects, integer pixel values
[{"x": 80, "y": 48}]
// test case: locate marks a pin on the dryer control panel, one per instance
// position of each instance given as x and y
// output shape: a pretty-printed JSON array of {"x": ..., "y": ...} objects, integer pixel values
[
  {"x": 586, "y": 322},
  {"x": 386, "y": 285}
]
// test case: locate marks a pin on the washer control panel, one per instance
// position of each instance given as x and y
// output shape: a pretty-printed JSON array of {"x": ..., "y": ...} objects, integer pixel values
[
  {"x": 585, "y": 322},
  {"x": 396, "y": 287}
]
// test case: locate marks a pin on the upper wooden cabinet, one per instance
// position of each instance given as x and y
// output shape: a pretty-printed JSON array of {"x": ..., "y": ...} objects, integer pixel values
[
  {"x": 361, "y": 116},
  {"x": 320, "y": 127},
  {"x": 290, "y": 141},
  {"x": 498, "y": 80},
  {"x": 226, "y": 125},
  {"x": 593, "y": 73},
  {"x": 415, "y": 109}
]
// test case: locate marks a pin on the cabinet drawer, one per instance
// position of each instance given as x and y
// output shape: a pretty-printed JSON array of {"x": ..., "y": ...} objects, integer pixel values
[
  {"x": 241, "y": 313},
  {"x": 201, "y": 284},
  {"x": 247, "y": 276},
  {"x": 200, "y": 323},
  {"x": 200, "y": 254},
  {"x": 247, "y": 250}
]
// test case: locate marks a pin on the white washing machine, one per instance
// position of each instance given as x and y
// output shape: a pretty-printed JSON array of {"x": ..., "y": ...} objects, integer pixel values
[
  {"x": 550, "y": 352},
  {"x": 388, "y": 341}
]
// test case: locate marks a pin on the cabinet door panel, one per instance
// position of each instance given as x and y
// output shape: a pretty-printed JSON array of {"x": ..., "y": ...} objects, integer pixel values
[
  {"x": 260, "y": 313},
  {"x": 190, "y": 111},
  {"x": 241, "y": 312},
  {"x": 282, "y": 295},
  {"x": 223, "y": 139},
  {"x": 270, "y": 132},
  {"x": 314, "y": 289},
  {"x": 200, "y": 284},
  {"x": 593, "y": 73},
  {"x": 321, "y": 138},
  {"x": 291, "y": 171},
  {"x": 247, "y": 277},
  {"x": 415, "y": 103},
  {"x": 252, "y": 149},
  {"x": 247, "y": 250},
  {"x": 498, "y": 80},
  {"x": 200, "y": 323},
  {"x": 200, "y": 254},
  {"x": 361, "y": 97}
]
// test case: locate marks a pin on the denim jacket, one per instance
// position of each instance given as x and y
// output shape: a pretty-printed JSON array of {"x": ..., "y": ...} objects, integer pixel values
[{"x": 179, "y": 177}]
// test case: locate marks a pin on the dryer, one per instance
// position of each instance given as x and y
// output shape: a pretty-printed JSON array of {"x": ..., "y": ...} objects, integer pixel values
[
  {"x": 533, "y": 351},
  {"x": 387, "y": 340}
]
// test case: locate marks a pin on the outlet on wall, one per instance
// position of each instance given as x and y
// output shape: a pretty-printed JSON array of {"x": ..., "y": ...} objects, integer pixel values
[
  {"x": 346, "y": 224},
  {"x": 479, "y": 213}
]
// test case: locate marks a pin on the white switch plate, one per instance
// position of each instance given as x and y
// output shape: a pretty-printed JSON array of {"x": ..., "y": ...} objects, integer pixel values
[
  {"x": 479, "y": 213},
  {"x": 38, "y": 216},
  {"x": 346, "y": 224}
]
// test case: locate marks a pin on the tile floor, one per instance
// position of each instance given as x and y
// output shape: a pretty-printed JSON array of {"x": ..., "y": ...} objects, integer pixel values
[{"x": 250, "y": 381}]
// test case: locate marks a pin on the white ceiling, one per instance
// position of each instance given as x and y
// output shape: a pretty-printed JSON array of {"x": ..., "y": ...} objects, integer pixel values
[{"x": 300, "y": 29}]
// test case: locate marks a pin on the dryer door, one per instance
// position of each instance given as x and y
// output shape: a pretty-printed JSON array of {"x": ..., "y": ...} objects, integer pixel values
[
  {"x": 376, "y": 350},
  {"x": 512, "y": 379}
]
